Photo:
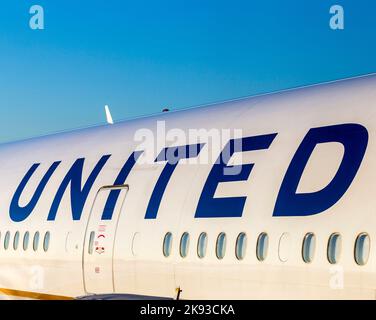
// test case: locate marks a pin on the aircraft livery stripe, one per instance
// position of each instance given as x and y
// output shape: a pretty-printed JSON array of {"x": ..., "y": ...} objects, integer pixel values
[{"x": 32, "y": 295}]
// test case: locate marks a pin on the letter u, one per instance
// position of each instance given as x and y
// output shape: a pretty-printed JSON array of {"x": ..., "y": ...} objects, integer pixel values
[{"x": 18, "y": 213}]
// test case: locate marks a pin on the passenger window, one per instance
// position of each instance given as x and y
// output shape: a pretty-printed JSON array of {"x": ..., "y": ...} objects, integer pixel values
[
  {"x": 309, "y": 246},
  {"x": 36, "y": 241},
  {"x": 6, "y": 240},
  {"x": 221, "y": 245},
  {"x": 46, "y": 241},
  {"x": 91, "y": 242},
  {"x": 16, "y": 239},
  {"x": 184, "y": 244},
  {"x": 241, "y": 245},
  {"x": 167, "y": 244},
  {"x": 334, "y": 248},
  {"x": 202, "y": 245},
  {"x": 262, "y": 246},
  {"x": 26, "y": 241},
  {"x": 362, "y": 248}
]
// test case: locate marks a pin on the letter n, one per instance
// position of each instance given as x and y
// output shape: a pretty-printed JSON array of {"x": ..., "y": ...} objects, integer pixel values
[{"x": 78, "y": 193}]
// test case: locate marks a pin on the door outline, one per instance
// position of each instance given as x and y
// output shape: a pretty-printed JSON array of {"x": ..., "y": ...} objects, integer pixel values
[{"x": 107, "y": 187}]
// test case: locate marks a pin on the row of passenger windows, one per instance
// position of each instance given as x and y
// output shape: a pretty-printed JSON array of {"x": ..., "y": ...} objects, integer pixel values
[
  {"x": 361, "y": 247},
  {"x": 26, "y": 239}
]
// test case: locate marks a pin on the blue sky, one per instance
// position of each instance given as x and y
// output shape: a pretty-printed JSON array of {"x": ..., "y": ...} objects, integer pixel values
[{"x": 141, "y": 56}]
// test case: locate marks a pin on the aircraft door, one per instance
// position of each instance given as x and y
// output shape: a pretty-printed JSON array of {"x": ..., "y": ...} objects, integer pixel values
[{"x": 99, "y": 242}]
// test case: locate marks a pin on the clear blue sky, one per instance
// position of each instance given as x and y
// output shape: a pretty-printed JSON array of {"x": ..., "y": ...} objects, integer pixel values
[{"x": 140, "y": 56}]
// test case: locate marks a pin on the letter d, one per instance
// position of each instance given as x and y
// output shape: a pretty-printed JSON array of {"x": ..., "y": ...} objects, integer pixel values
[{"x": 354, "y": 138}]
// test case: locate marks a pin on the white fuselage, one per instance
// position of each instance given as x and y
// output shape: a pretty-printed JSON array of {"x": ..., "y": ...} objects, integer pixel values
[{"x": 128, "y": 258}]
